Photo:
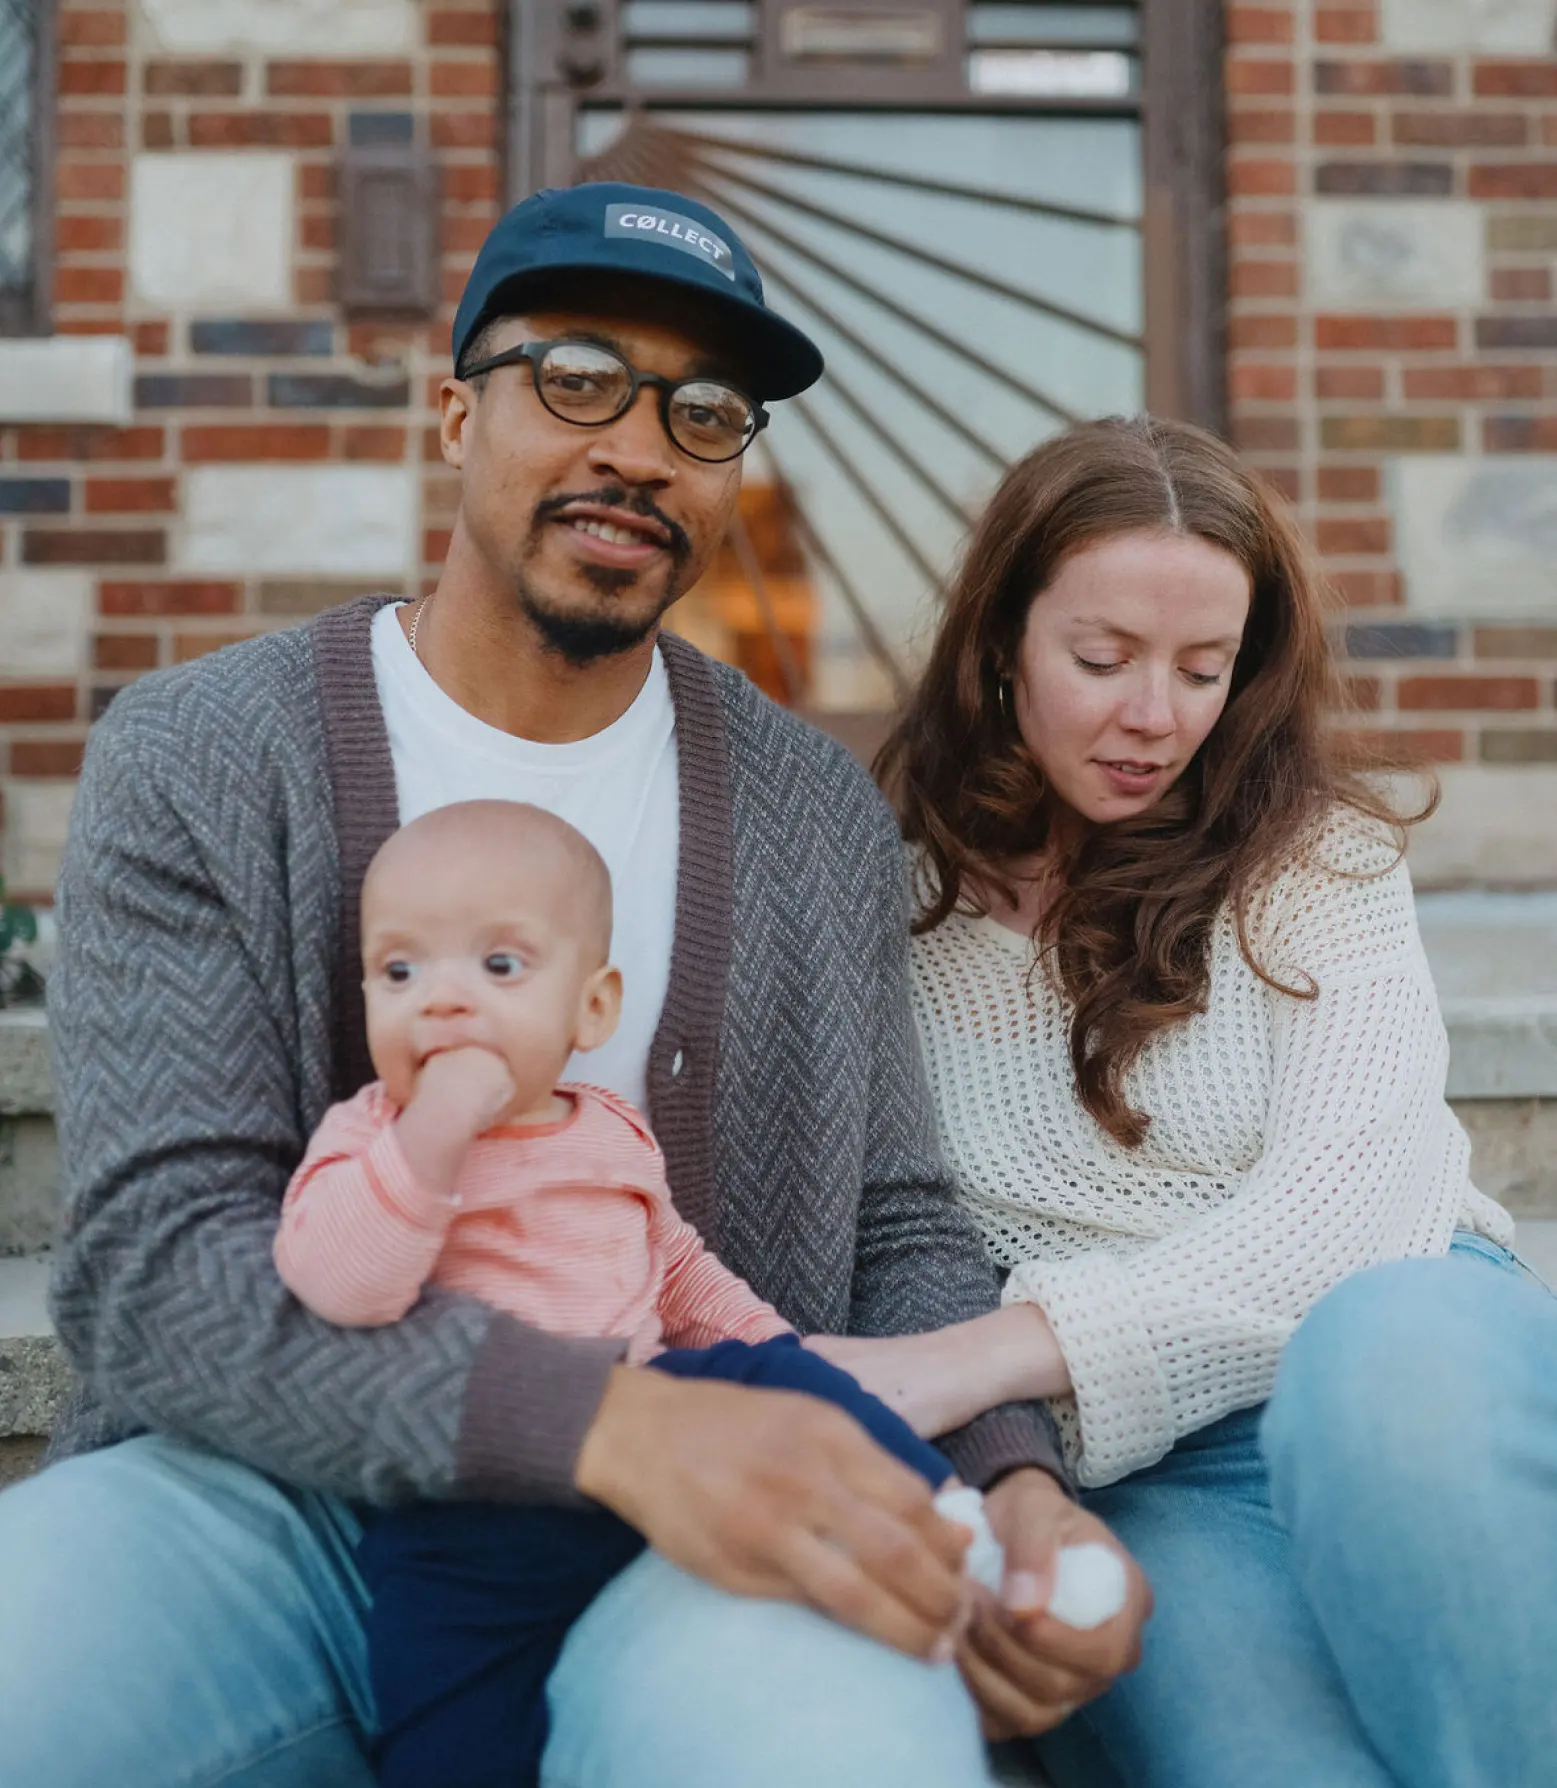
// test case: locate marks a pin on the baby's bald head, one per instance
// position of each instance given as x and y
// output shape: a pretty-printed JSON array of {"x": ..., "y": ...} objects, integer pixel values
[{"x": 493, "y": 857}]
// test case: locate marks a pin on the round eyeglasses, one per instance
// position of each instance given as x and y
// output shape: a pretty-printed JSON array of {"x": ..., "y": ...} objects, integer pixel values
[{"x": 591, "y": 385}]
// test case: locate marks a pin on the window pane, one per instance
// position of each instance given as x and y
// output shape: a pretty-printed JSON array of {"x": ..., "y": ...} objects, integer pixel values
[
  {"x": 16, "y": 122},
  {"x": 1092, "y": 25},
  {"x": 687, "y": 68},
  {"x": 700, "y": 21}
]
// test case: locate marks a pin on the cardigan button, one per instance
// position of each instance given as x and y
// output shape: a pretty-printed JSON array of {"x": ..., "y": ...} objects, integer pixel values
[{"x": 677, "y": 1062}]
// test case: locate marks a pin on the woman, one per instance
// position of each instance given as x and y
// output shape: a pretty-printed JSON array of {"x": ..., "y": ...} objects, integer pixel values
[{"x": 1189, "y": 1070}]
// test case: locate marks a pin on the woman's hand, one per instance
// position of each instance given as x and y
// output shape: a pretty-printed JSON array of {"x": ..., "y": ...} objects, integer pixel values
[
  {"x": 1027, "y": 1670},
  {"x": 938, "y": 1381}
]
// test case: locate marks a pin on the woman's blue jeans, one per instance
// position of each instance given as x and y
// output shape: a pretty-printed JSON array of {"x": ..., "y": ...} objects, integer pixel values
[{"x": 1357, "y": 1586}]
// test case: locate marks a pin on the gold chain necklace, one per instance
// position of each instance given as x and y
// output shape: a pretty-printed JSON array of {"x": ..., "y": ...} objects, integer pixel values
[{"x": 416, "y": 621}]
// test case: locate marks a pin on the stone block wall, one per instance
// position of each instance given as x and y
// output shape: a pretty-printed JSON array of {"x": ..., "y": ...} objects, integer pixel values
[
  {"x": 1392, "y": 174},
  {"x": 217, "y": 451}
]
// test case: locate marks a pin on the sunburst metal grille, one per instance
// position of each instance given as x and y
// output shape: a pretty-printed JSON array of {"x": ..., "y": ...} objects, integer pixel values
[{"x": 19, "y": 173}]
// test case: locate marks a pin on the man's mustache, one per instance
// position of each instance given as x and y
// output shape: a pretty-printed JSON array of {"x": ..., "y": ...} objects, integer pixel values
[{"x": 617, "y": 496}]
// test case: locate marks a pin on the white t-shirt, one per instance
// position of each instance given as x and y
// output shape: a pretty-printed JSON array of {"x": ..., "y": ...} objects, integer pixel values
[{"x": 618, "y": 787}]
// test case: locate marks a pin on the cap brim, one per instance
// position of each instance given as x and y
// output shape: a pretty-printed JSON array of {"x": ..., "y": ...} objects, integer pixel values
[{"x": 784, "y": 360}]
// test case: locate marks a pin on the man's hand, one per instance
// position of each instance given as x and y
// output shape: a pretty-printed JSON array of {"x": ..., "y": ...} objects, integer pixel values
[
  {"x": 1026, "y": 1670},
  {"x": 769, "y": 1493}
]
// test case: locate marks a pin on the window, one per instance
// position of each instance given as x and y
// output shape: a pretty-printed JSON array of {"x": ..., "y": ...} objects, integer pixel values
[{"x": 26, "y": 138}]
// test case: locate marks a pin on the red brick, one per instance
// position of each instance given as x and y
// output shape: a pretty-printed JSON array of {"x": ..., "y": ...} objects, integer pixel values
[
  {"x": 1258, "y": 24},
  {"x": 150, "y": 339},
  {"x": 465, "y": 234},
  {"x": 1513, "y": 180},
  {"x": 472, "y": 128},
  {"x": 1345, "y": 24},
  {"x": 365, "y": 441},
  {"x": 1368, "y": 589},
  {"x": 91, "y": 30},
  {"x": 470, "y": 183},
  {"x": 1344, "y": 129},
  {"x": 94, "y": 546},
  {"x": 1461, "y": 129},
  {"x": 1501, "y": 695},
  {"x": 207, "y": 79},
  {"x": 1261, "y": 124},
  {"x": 432, "y": 446},
  {"x": 88, "y": 285},
  {"x": 78, "y": 79},
  {"x": 125, "y": 651},
  {"x": 1353, "y": 537},
  {"x": 1263, "y": 229},
  {"x": 127, "y": 496},
  {"x": 1521, "y": 285},
  {"x": 314, "y": 285},
  {"x": 448, "y": 28},
  {"x": 187, "y": 646},
  {"x": 435, "y": 545},
  {"x": 88, "y": 235},
  {"x": 46, "y": 757},
  {"x": 1519, "y": 434},
  {"x": 1532, "y": 79},
  {"x": 317, "y": 231},
  {"x": 1362, "y": 693},
  {"x": 1390, "y": 434},
  {"x": 378, "y": 343},
  {"x": 1264, "y": 279},
  {"x": 464, "y": 80},
  {"x": 316, "y": 181},
  {"x": 1248, "y": 76},
  {"x": 338, "y": 80},
  {"x": 1385, "y": 334},
  {"x": 158, "y": 131},
  {"x": 89, "y": 130},
  {"x": 255, "y": 441},
  {"x": 1349, "y": 383},
  {"x": 1263, "y": 383},
  {"x": 1472, "y": 384},
  {"x": 1416, "y": 746},
  {"x": 37, "y": 701},
  {"x": 1266, "y": 434},
  {"x": 87, "y": 440},
  {"x": 1348, "y": 484},
  {"x": 84, "y": 180},
  {"x": 1262, "y": 331},
  {"x": 177, "y": 597},
  {"x": 1286, "y": 481},
  {"x": 261, "y": 130},
  {"x": 1373, "y": 77}
]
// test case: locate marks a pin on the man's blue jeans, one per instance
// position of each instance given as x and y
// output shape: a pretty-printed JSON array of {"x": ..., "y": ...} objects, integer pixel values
[
  {"x": 169, "y": 1619},
  {"x": 1358, "y": 1587}
]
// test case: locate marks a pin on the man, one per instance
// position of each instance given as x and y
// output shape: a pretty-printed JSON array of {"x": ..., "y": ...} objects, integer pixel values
[{"x": 182, "y": 1607}]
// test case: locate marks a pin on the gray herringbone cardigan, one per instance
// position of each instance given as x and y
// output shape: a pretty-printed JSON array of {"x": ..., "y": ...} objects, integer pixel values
[{"x": 207, "y": 1008}]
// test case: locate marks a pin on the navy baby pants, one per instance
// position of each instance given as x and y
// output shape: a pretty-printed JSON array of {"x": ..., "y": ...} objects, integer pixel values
[{"x": 471, "y": 1601}]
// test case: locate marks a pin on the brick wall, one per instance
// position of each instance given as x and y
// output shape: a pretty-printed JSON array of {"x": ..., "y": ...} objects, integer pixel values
[
  {"x": 147, "y": 543},
  {"x": 1393, "y": 220},
  {"x": 1393, "y": 172}
]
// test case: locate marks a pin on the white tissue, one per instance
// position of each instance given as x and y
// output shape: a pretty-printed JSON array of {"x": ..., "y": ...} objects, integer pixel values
[
  {"x": 986, "y": 1561},
  {"x": 1090, "y": 1585}
]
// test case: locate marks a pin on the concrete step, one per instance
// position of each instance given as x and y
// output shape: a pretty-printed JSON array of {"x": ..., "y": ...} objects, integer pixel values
[{"x": 34, "y": 1380}]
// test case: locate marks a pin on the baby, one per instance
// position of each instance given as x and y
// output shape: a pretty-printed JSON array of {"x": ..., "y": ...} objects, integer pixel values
[{"x": 486, "y": 931}]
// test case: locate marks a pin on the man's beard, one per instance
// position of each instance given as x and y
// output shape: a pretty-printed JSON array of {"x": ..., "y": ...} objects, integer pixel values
[{"x": 580, "y": 639}]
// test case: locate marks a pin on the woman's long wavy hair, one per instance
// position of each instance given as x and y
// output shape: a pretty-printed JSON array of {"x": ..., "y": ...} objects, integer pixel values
[{"x": 1128, "y": 931}]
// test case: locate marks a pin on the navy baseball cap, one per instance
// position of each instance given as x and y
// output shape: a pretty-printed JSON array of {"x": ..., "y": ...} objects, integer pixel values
[{"x": 611, "y": 227}]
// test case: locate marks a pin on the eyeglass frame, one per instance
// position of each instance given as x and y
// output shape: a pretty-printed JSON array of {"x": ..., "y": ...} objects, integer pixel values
[{"x": 533, "y": 352}]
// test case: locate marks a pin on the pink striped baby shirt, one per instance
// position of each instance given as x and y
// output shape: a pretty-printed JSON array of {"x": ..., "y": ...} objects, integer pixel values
[{"x": 568, "y": 1226}]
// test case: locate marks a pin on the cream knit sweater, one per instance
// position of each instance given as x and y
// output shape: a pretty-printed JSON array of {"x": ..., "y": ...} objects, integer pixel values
[{"x": 1292, "y": 1142}]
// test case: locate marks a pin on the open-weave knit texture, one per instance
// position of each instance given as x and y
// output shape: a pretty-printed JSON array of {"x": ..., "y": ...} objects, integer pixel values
[
  {"x": 1291, "y": 1142},
  {"x": 207, "y": 1008}
]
